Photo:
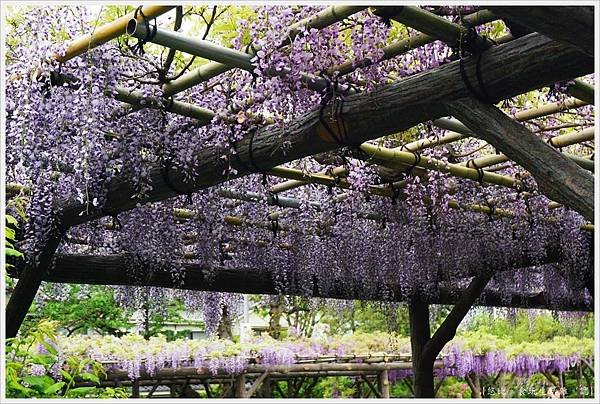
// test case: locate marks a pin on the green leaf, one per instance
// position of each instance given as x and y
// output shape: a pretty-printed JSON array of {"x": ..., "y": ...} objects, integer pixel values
[
  {"x": 38, "y": 381},
  {"x": 66, "y": 375},
  {"x": 54, "y": 388},
  {"x": 49, "y": 347},
  {"x": 9, "y": 233},
  {"x": 81, "y": 391},
  {"x": 91, "y": 377},
  {"x": 12, "y": 385},
  {"x": 11, "y": 220},
  {"x": 13, "y": 253},
  {"x": 42, "y": 359}
]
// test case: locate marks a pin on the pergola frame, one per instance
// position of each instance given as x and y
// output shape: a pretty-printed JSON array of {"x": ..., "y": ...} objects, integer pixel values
[{"x": 405, "y": 103}]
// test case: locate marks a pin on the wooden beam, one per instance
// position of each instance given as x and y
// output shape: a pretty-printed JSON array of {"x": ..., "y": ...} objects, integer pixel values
[
  {"x": 367, "y": 116},
  {"x": 559, "y": 178},
  {"x": 393, "y": 108},
  {"x": 116, "y": 270},
  {"x": 572, "y": 25}
]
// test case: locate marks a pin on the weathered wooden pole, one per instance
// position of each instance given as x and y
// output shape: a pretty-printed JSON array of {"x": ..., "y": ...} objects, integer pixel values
[
  {"x": 239, "y": 386},
  {"x": 425, "y": 348},
  {"x": 28, "y": 285},
  {"x": 559, "y": 178},
  {"x": 569, "y": 24},
  {"x": 383, "y": 383}
]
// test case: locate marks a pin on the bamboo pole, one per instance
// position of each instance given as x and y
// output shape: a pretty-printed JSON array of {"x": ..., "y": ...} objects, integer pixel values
[
  {"x": 291, "y": 184},
  {"x": 205, "y": 72},
  {"x": 107, "y": 32},
  {"x": 572, "y": 138},
  {"x": 581, "y": 90},
  {"x": 428, "y": 23},
  {"x": 557, "y": 141},
  {"x": 137, "y": 99},
  {"x": 381, "y": 154},
  {"x": 226, "y": 56},
  {"x": 400, "y": 47},
  {"x": 324, "y": 179}
]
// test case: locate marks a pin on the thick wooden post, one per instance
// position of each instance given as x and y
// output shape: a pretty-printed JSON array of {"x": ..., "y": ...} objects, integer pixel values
[
  {"x": 559, "y": 178},
  {"x": 27, "y": 287},
  {"x": 384, "y": 384},
  {"x": 239, "y": 386},
  {"x": 425, "y": 348},
  {"x": 420, "y": 334},
  {"x": 135, "y": 389}
]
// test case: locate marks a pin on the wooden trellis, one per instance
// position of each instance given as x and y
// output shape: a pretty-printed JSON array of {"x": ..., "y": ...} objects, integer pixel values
[{"x": 537, "y": 60}]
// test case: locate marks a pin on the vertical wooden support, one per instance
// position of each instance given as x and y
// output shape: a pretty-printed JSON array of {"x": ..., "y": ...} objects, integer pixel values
[
  {"x": 425, "y": 348},
  {"x": 384, "y": 384},
  {"x": 266, "y": 389},
  {"x": 27, "y": 287},
  {"x": 420, "y": 334},
  {"x": 239, "y": 386},
  {"x": 135, "y": 389}
]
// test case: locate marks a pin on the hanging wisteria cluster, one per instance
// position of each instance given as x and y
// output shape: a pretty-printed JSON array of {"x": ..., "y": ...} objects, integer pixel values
[
  {"x": 67, "y": 138},
  {"x": 478, "y": 354}
]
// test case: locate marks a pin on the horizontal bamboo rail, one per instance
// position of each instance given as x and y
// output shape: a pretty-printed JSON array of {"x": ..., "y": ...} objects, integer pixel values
[
  {"x": 404, "y": 45},
  {"x": 558, "y": 141},
  {"x": 379, "y": 154},
  {"x": 107, "y": 32},
  {"x": 137, "y": 99},
  {"x": 324, "y": 179}
]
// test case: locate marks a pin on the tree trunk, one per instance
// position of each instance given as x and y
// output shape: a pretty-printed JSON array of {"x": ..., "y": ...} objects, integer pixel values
[
  {"x": 425, "y": 347},
  {"x": 559, "y": 178},
  {"x": 275, "y": 312}
]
